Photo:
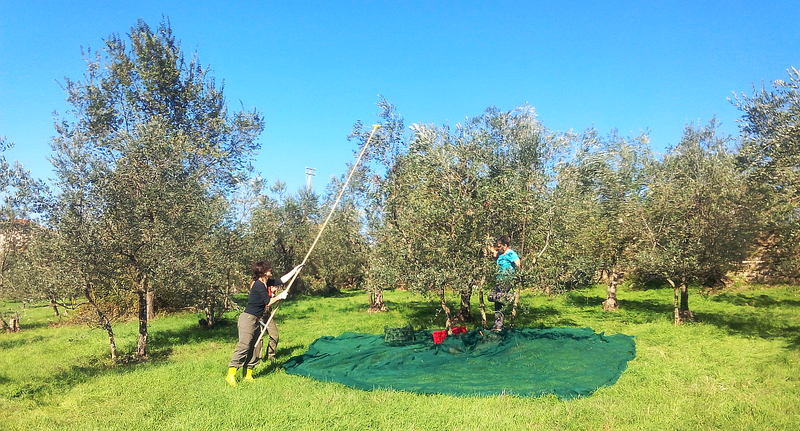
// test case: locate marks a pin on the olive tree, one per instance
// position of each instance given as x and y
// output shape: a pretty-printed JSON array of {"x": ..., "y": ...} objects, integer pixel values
[
  {"x": 281, "y": 229},
  {"x": 602, "y": 193},
  {"x": 378, "y": 189},
  {"x": 770, "y": 156},
  {"x": 20, "y": 196},
  {"x": 699, "y": 218},
  {"x": 521, "y": 157},
  {"x": 154, "y": 131},
  {"x": 441, "y": 195}
]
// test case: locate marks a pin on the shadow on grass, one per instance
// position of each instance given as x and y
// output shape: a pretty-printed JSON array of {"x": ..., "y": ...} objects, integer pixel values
[
  {"x": 752, "y": 325},
  {"x": 647, "y": 285},
  {"x": 162, "y": 339},
  {"x": 760, "y": 301},
  {"x": 646, "y": 310},
  {"x": 533, "y": 316},
  {"x": 350, "y": 293},
  {"x": 424, "y": 314},
  {"x": 10, "y": 344},
  {"x": 59, "y": 382},
  {"x": 649, "y": 307},
  {"x": 580, "y": 300},
  {"x": 281, "y": 356},
  {"x": 40, "y": 325},
  {"x": 160, "y": 347},
  {"x": 420, "y": 314},
  {"x": 794, "y": 342}
]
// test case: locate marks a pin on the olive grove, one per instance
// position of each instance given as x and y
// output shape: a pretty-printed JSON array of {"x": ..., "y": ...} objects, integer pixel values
[{"x": 155, "y": 208}]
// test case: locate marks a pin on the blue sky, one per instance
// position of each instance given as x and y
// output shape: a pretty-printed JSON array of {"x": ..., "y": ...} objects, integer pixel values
[{"x": 314, "y": 68}]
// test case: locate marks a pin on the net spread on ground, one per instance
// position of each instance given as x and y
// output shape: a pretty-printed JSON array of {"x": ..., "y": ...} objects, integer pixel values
[{"x": 567, "y": 362}]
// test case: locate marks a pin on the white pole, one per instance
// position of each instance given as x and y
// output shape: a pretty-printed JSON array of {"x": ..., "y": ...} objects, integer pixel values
[{"x": 333, "y": 208}]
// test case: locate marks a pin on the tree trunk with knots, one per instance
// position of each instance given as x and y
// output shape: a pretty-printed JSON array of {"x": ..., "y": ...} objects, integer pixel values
[{"x": 611, "y": 303}]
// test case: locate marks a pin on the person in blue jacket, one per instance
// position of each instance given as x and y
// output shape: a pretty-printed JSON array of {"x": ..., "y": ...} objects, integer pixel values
[{"x": 507, "y": 262}]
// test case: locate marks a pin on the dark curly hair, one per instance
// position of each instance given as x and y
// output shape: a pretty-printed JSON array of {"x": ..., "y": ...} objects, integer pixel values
[{"x": 260, "y": 268}]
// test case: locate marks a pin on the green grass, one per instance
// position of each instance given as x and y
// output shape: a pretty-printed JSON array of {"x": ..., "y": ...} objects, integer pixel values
[{"x": 738, "y": 367}]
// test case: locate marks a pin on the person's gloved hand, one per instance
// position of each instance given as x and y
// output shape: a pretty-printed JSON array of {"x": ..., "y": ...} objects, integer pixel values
[{"x": 282, "y": 296}]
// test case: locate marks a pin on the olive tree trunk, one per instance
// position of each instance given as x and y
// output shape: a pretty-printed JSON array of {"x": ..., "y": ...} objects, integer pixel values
[
  {"x": 676, "y": 302},
  {"x": 514, "y": 308},
  {"x": 142, "y": 291},
  {"x": 684, "y": 311},
  {"x": 151, "y": 300},
  {"x": 448, "y": 322},
  {"x": 464, "y": 313},
  {"x": 54, "y": 306},
  {"x": 105, "y": 322},
  {"x": 482, "y": 303},
  {"x": 376, "y": 303},
  {"x": 611, "y": 303}
]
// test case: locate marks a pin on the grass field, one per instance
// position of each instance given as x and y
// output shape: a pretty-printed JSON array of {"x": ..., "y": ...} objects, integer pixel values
[{"x": 737, "y": 368}]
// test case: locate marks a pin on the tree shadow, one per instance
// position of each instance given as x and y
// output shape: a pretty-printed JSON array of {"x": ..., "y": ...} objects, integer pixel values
[
  {"x": 578, "y": 299},
  {"x": 161, "y": 345},
  {"x": 794, "y": 342},
  {"x": 222, "y": 331},
  {"x": 419, "y": 314},
  {"x": 429, "y": 315},
  {"x": 650, "y": 307},
  {"x": 10, "y": 344},
  {"x": 40, "y": 325},
  {"x": 350, "y": 293},
  {"x": 25, "y": 325},
  {"x": 533, "y": 316},
  {"x": 760, "y": 301},
  {"x": 752, "y": 325},
  {"x": 302, "y": 314},
  {"x": 58, "y": 382},
  {"x": 645, "y": 285}
]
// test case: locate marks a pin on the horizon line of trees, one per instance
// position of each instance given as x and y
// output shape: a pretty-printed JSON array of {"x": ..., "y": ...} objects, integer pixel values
[{"x": 156, "y": 207}]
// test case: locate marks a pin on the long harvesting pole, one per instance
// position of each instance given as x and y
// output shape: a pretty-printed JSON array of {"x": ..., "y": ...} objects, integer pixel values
[{"x": 325, "y": 224}]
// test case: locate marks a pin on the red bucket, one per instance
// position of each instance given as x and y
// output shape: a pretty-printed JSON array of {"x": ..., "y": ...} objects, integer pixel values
[
  {"x": 439, "y": 336},
  {"x": 458, "y": 329}
]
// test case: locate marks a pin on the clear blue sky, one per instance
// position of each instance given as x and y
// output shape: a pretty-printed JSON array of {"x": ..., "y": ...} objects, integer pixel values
[{"x": 314, "y": 68}]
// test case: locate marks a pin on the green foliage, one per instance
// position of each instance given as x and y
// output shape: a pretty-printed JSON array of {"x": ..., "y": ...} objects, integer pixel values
[
  {"x": 145, "y": 170},
  {"x": 771, "y": 130},
  {"x": 770, "y": 156},
  {"x": 597, "y": 205},
  {"x": 441, "y": 195},
  {"x": 377, "y": 173},
  {"x": 339, "y": 258},
  {"x": 282, "y": 229},
  {"x": 18, "y": 202},
  {"x": 699, "y": 213}
]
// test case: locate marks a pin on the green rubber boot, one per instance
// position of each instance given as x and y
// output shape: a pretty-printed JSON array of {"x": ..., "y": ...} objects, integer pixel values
[
  {"x": 231, "y": 377},
  {"x": 249, "y": 375}
]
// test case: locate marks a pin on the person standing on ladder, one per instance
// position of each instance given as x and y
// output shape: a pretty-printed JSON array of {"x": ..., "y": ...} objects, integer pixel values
[
  {"x": 262, "y": 297},
  {"x": 507, "y": 262}
]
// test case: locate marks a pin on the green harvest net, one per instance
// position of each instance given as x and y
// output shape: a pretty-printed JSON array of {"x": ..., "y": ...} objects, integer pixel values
[{"x": 568, "y": 362}]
